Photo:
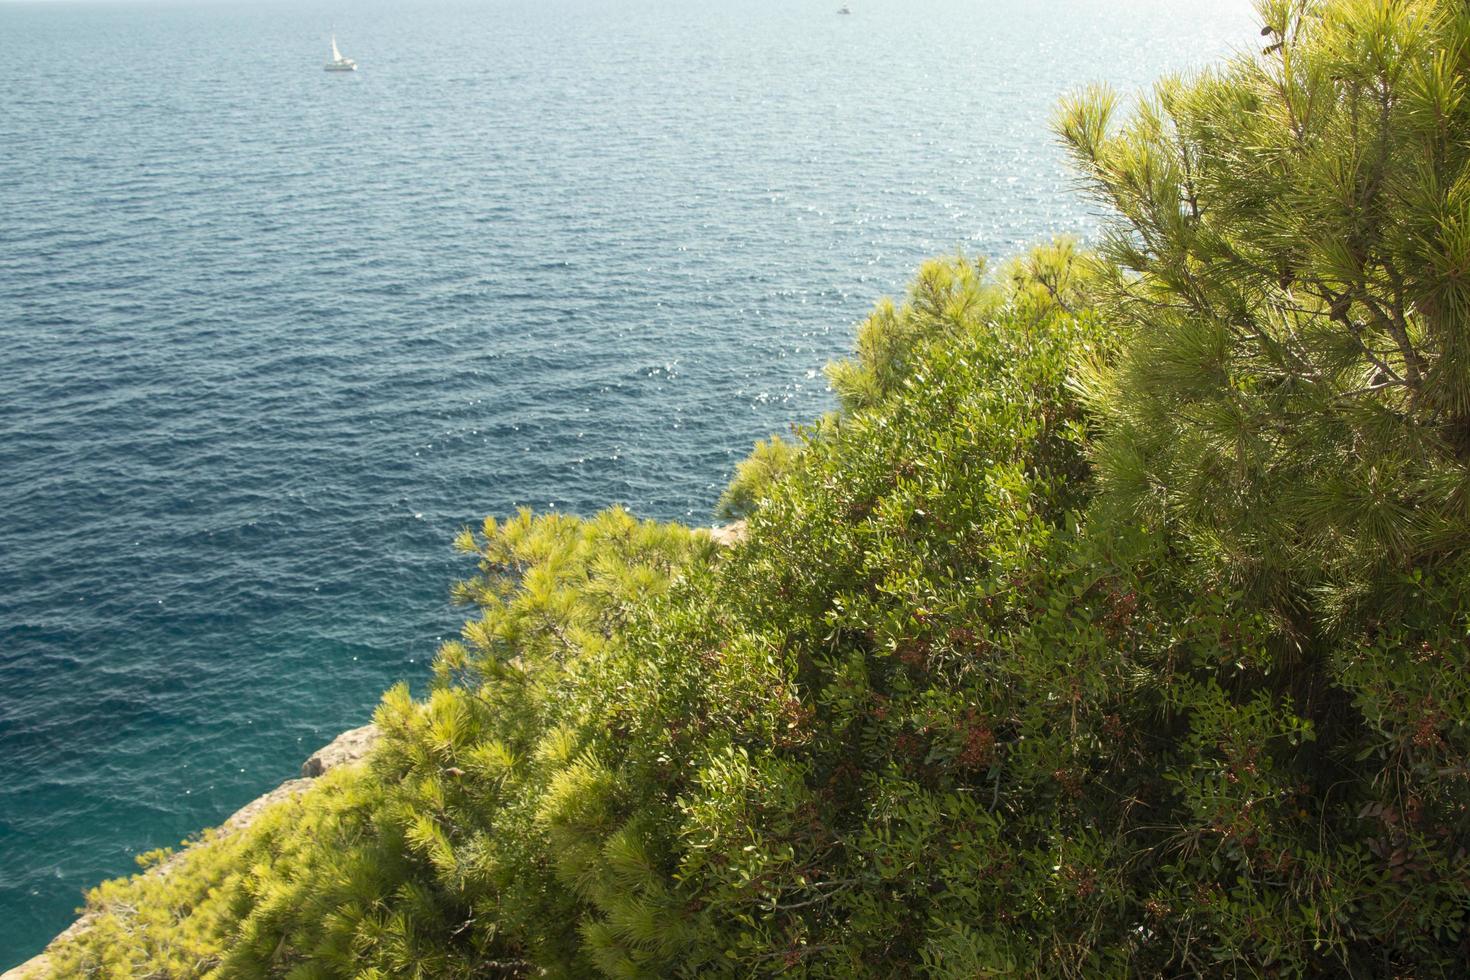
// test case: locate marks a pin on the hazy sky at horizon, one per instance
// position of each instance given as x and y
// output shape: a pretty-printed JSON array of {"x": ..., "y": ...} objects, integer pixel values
[{"x": 1202, "y": 5}]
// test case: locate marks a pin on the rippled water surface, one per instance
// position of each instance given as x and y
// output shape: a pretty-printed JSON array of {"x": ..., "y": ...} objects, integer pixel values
[{"x": 269, "y": 336}]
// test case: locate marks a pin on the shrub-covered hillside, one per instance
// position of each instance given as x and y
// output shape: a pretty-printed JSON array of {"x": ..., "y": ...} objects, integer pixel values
[{"x": 1116, "y": 624}]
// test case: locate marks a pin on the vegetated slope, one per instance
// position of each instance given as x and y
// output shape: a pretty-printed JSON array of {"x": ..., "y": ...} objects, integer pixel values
[{"x": 1115, "y": 625}]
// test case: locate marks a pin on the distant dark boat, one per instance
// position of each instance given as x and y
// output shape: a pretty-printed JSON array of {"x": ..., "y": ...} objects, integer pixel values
[{"x": 843, "y": 9}]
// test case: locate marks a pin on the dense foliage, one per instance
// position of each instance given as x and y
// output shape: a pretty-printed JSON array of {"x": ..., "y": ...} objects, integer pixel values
[
  {"x": 1291, "y": 286},
  {"x": 1114, "y": 626}
]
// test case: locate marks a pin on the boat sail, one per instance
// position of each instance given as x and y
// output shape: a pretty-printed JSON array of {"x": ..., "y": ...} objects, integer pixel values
[{"x": 339, "y": 63}]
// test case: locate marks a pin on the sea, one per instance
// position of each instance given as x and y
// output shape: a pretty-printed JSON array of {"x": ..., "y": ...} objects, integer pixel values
[{"x": 269, "y": 335}]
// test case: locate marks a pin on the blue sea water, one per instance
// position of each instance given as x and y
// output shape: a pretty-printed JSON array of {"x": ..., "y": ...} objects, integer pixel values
[{"x": 269, "y": 336}]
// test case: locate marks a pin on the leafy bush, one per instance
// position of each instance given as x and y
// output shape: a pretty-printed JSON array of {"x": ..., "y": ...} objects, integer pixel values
[{"x": 754, "y": 477}]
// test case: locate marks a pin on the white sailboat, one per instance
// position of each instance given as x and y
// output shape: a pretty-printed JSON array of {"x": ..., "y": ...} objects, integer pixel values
[{"x": 339, "y": 63}]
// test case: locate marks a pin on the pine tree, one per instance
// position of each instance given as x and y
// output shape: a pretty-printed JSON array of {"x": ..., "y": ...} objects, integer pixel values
[{"x": 1291, "y": 270}]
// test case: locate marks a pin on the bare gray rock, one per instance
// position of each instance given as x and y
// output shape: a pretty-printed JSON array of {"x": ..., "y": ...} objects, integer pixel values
[
  {"x": 346, "y": 748},
  {"x": 728, "y": 535}
]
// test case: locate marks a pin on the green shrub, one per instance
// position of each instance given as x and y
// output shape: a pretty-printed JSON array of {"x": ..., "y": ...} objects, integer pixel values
[{"x": 754, "y": 477}]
